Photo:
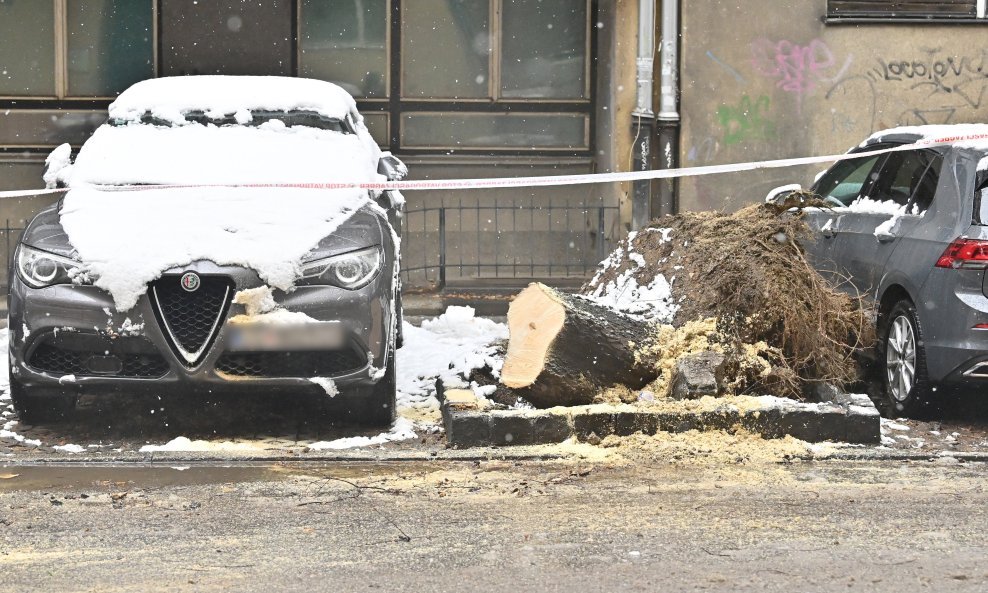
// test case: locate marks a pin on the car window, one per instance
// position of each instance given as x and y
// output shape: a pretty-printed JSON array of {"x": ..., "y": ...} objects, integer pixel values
[
  {"x": 981, "y": 207},
  {"x": 845, "y": 181},
  {"x": 901, "y": 175},
  {"x": 927, "y": 186}
]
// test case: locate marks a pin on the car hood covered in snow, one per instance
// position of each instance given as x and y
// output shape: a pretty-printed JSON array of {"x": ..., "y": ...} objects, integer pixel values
[
  {"x": 126, "y": 239},
  {"x": 127, "y": 235}
]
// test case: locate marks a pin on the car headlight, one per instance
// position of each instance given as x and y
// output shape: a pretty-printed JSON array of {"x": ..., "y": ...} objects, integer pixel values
[
  {"x": 350, "y": 270},
  {"x": 39, "y": 269}
]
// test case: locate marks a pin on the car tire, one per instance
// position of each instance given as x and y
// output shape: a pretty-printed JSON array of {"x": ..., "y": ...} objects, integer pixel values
[
  {"x": 34, "y": 406},
  {"x": 903, "y": 364},
  {"x": 378, "y": 405}
]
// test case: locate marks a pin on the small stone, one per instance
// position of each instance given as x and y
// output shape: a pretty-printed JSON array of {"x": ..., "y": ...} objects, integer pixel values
[{"x": 697, "y": 375}]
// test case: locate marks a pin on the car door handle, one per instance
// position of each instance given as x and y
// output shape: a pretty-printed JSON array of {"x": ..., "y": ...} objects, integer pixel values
[
  {"x": 884, "y": 237},
  {"x": 829, "y": 233}
]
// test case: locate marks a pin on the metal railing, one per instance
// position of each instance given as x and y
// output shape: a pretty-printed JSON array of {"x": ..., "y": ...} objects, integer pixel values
[{"x": 504, "y": 239}]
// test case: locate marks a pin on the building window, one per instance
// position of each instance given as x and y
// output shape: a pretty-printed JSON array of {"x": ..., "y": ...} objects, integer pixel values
[
  {"x": 346, "y": 41},
  {"x": 226, "y": 37},
  {"x": 464, "y": 76},
  {"x": 947, "y": 10},
  {"x": 74, "y": 48}
]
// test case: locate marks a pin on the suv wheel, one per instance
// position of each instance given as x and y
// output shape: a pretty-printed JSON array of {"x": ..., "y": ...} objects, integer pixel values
[
  {"x": 907, "y": 387},
  {"x": 38, "y": 407}
]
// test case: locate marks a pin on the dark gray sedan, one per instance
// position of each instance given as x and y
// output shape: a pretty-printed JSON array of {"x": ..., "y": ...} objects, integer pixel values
[
  {"x": 248, "y": 295},
  {"x": 909, "y": 231}
]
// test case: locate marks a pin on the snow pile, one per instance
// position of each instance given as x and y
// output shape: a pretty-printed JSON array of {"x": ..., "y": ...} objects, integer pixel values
[
  {"x": 261, "y": 308},
  {"x": 866, "y": 205},
  {"x": 126, "y": 239},
  {"x": 402, "y": 430},
  {"x": 56, "y": 164},
  {"x": 327, "y": 384},
  {"x": 653, "y": 301},
  {"x": 983, "y": 164},
  {"x": 184, "y": 444},
  {"x": 208, "y": 154},
  {"x": 170, "y": 98},
  {"x": 446, "y": 347}
]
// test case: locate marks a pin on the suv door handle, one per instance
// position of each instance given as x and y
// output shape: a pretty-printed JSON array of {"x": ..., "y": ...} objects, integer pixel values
[
  {"x": 828, "y": 233},
  {"x": 884, "y": 237}
]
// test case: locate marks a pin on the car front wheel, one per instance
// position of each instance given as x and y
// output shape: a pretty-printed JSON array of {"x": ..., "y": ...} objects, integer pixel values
[{"x": 907, "y": 387}]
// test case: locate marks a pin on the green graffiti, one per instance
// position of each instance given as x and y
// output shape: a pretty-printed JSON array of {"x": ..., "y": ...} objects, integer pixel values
[{"x": 747, "y": 121}]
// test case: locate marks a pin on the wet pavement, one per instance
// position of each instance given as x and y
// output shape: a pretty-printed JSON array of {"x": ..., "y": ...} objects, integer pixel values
[{"x": 487, "y": 526}]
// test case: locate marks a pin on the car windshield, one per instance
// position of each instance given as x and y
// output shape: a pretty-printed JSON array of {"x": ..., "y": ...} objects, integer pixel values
[{"x": 310, "y": 119}]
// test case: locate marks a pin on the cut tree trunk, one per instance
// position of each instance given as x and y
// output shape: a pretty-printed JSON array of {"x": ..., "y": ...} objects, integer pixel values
[{"x": 563, "y": 350}]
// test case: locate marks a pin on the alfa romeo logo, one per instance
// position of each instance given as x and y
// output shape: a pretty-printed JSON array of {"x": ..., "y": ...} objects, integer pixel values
[{"x": 190, "y": 281}]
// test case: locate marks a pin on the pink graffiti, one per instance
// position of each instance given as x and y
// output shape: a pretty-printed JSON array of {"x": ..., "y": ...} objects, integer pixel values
[{"x": 798, "y": 68}]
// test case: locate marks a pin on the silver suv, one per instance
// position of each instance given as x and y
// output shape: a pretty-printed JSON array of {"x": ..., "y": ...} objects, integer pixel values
[{"x": 909, "y": 231}]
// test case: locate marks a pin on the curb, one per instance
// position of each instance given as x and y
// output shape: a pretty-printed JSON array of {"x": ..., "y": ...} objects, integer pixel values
[{"x": 849, "y": 419}]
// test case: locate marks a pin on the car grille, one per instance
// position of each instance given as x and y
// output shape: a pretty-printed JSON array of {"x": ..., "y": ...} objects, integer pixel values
[
  {"x": 191, "y": 319},
  {"x": 56, "y": 360},
  {"x": 289, "y": 364}
]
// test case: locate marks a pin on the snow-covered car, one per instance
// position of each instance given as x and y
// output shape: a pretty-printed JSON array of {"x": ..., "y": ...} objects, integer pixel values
[
  {"x": 908, "y": 230},
  {"x": 213, "y": 238}
]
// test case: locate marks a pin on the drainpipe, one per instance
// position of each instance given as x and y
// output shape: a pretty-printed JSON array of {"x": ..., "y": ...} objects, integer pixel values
[
  {"x": 643, "y": 118},
  {"x": 666, "y": 201}
]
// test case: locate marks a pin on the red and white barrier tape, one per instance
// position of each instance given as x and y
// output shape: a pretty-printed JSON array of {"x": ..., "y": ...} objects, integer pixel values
[{"x": 550, "y": 180}]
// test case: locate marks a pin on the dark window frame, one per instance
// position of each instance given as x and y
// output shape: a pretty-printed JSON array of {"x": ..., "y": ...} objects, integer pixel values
[
  {"x": 394, "y": 105},
  {"x": 958, "y": 12}
]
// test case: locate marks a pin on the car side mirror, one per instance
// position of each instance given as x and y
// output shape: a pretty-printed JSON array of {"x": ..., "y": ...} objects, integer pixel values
[
  {"x": 779, "y": 194},
  {"x": 391, "y": 167},
  {"x": 57, "y": 165}
]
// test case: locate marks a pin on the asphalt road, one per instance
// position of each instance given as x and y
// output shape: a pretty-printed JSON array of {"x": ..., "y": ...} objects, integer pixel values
[{"x": 651, "y": 525}]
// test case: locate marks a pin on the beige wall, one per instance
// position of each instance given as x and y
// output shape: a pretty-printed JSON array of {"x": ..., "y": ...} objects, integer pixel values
[{"x": 763, "y": 82}]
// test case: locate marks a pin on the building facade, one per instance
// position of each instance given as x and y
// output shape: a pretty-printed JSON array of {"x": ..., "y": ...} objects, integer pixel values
[
  {"x": 762, "y": 79},
  {"x": 456, "y": 88},
  {"x": 503, "y": 88}
]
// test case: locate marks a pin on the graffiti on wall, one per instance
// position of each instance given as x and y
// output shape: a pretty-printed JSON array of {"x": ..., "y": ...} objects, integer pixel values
[
  {"x": 747, "y": 120},
  {"x": 797, "y": 69},
  {"x": 959, "y": 80},
  {"x": 935, "y": 87}
]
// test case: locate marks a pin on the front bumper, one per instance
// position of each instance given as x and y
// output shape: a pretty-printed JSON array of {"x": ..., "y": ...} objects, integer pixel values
[{"x": 134, "y": 353}]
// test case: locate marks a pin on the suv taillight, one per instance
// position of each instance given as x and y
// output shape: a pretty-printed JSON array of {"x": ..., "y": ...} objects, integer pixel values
[{"x": 968, "y": 254}]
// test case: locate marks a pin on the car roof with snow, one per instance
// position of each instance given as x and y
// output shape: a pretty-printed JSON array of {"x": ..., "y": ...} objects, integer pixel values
[
  {"x": 171, "y": 99},
  {"x": 229, "y": 130},
  {"x": 964, "y": 136}
]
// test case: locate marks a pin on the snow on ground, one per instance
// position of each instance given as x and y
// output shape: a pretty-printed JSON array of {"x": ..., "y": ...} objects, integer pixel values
[
  {"x": 448, "y": 346},
  {"x": 445, "y": 347},
  {"x": 402, "y": 430}
]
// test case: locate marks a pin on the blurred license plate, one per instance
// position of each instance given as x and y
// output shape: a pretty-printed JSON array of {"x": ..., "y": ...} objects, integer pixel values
[{"x": 319, "y": 335}]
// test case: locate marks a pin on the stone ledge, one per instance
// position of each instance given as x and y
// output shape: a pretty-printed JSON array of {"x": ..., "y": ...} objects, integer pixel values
[{"x": 848, "y": 419}]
